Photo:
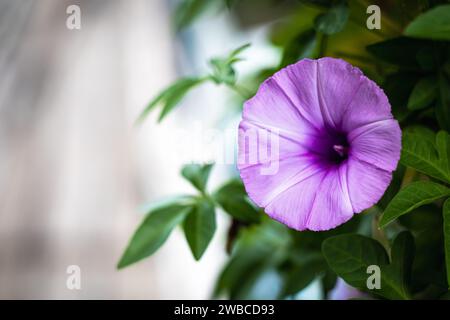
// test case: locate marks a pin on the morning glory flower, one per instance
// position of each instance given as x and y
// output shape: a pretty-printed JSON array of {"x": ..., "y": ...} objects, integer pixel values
[{"x": 333, "y": 145}]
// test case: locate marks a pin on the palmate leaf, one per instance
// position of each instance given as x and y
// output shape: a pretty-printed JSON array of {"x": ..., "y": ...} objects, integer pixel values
[
  {"x": 153, "y": 232},
  {"x": 200, "y": 226},
  {"x": 446, "y": 214},
  {"x": 429, "y": 158},
  {"x": 433, "y": 24},
  {"x": 350, "y": 255},
  {"x": 411, "y": 197}
]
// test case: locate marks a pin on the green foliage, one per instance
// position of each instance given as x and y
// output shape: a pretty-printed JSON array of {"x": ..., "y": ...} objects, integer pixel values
[
  {"x": 234, "y": 200},
  {"x": 350, "y": 255},
  {"x": 334, "y": 20},
  {"x": 223, "y": 72},
  {"x": 432, "y": 24},
  {"x": 190, "y": 10},
  {"x": 259, "y": 249},
  {"x": 443, "y": 106},
  {"x": 446, "y": 212},
  {"x": 423, "y": 94},
  {"x": 170, "y": 97},
  {"x": 200, "y": 226},
  {"x": 430, "y": 157},
  {"x": 197, "y": 175},
  {"x": 393, "y": 51},
  {"x": 407, "y": 233},
  {"x": 153, "y": 232},
  {"x": 411, "y": 197}
]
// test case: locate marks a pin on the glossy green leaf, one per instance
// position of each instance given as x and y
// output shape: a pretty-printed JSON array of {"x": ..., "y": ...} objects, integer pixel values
[
  {"x": 197, "y": 175},
  {"x": 411, "y": 197},
  {"x": 334, "y": 20},
  {"x": 200, "y": 226},
  {"x": 429, "y": 158},
  {"x": 446, "y": 214},
  {"x": 153, "y": 232},
  {"x": 234, "y": 200},
  {"x": 350, "y": 255},
  {"x": 433, "y": 24}
]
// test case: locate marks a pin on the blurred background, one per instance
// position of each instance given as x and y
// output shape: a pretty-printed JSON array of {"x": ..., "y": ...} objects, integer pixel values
[{"x": 74, "y": 169}]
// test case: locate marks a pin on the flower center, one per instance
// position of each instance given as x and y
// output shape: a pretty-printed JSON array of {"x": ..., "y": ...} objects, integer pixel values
[{"x": 340, "y": 150}]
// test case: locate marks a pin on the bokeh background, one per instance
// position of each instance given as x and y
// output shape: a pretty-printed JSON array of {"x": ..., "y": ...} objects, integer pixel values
[{"x": 74, "y": 169}]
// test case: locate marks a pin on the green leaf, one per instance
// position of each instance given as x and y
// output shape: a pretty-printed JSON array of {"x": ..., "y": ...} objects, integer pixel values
[
  {"x": 239, "y": 50},
  {"x": 170, "y": 97},
  {"x": 411, "y": 197},
  {"x": 420, "y": 154},
  {"x": 302, "y": 46},
  {"x": 398, "y": 88},
  {"x": 259, "y": 248},
  {"x": 189, "y": 10},
  {"x": 393, "y": 51},
  {"x": 443, "y": 105},
  {"x": 302, "y": 274},
  {"x": 199, "y": 227},
  {"x": 176, "y": 93},
  {"x": 433, "y": 24},
  {"x": 398, "y": 273},
  {"x": 153, "y": 232},
  {"x": 423, "y": 94},
  {"x": 223, "y": 70},
  {"x": 350, "y": 255},
  {"x": 197, "y": 175},
  {"x": 333, "y": 20},
  {"x": 446, "y": 214},
  {"x": 234, "y": 200}
]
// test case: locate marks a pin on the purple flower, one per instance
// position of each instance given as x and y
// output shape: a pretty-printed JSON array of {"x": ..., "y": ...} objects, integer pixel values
[
  {"x": 343, "y": 291},
  {"x": 335, "y": 149}
]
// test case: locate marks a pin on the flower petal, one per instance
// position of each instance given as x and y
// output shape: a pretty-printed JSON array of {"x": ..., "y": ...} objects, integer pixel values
[
  {"x": 272, "y": 109},
  {"x": 292, "y": 206},
  {"x": 299, "y": 84},
  {"x": 332, "y": 205},
  {"x": 366, "y": 184},
  {"x": 258, "y": 145},
  {"x": 337, "y": 83},
  {"x": 368, "y": 105},
  {"x": 263, "y": 188},
  {"x": 377, "y": 143}
]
